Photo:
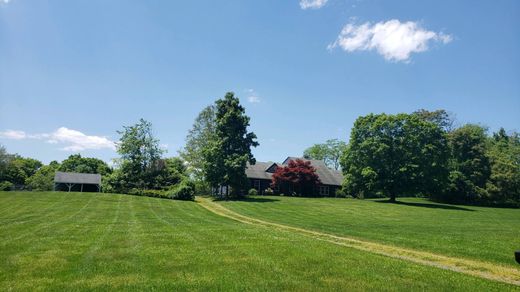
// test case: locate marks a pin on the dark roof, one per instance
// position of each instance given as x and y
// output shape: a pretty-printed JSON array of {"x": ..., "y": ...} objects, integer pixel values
[
  {"x": 258, "y": 170},
  {"x": 77, "y": 178},
  {"x": 327, "y": 175}
]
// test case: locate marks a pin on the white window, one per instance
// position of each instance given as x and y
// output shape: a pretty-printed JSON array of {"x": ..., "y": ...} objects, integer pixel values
[{"x": 324, "y": 190}]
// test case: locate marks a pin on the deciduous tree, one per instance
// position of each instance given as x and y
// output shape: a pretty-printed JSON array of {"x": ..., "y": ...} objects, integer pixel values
[{"x": 297, "y": 176}]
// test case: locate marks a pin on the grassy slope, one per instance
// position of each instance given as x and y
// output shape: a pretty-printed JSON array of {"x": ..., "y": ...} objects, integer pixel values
[
  {"x": 66, "y": 241},
  {"x": 489, "y": 234}
]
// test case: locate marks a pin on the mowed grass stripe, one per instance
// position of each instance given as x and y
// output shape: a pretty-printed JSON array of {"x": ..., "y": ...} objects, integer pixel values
[
  {"x": 471, "y": 267},
  {"x": 479, "y": 233},
  {"x": 193, "y": 249},
  {"x": 62, "y": 213}
]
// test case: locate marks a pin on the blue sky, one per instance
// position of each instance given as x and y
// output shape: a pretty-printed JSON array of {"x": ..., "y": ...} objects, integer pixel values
[{"x": 73, "y": 72}]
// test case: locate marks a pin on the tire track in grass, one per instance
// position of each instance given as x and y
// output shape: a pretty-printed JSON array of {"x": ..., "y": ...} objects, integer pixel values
[{"x": 475, "y": 268}]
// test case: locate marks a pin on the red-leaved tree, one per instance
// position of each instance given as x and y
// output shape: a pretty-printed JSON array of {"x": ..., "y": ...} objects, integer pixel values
[{"x": 298, "y": 176}]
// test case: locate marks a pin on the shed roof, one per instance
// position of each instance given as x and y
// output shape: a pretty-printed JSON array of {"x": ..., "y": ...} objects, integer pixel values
[{"x": 77, "y": 178}]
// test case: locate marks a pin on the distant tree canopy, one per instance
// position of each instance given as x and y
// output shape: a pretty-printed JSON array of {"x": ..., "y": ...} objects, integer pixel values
[
  {"x": 76, "y": 163},
  {"x": 298, "y": 176},
  {"x": 391, "y": 155},
  {"x": 470, "y": 168},
  {"x": 198, "y": 140},
  {"x": 43, "y": 179},
  {"x": 441, "y": 118},
  {"x": 16, "y": 169},
  {"x": 225, "y": 158},
  {"x": 504, "y": 157},
  {"x": 140, "y": 154},
  {"x": 330, "y": 152}
]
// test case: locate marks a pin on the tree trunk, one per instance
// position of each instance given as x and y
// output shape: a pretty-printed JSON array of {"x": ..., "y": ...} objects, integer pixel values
[{"x": 392, "y": 198}]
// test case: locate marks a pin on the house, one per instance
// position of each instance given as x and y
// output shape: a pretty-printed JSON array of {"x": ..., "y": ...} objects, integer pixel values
[
  {"x": 77, "y": 182},
  {"x": 260, "y": 175}
]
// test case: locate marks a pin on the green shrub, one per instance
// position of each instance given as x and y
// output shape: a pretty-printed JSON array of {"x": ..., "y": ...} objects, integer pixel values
[
  {"x": 340, "y": 193},
  {"x": 185, "y": 190},
  {"x": 154, "y": 193},
  {"x": 6, "y": 186},
  {"x": 269, "y": 192},
  {"x": 252, "y": 192}
]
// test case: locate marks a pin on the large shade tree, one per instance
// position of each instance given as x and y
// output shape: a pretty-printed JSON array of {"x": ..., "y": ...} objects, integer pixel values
[
  {"x": 392, "y": 155},
  {"x": 226, "y": 157}
]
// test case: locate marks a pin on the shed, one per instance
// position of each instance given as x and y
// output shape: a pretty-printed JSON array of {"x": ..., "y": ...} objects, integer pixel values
[{"x": 79, "y": 182}]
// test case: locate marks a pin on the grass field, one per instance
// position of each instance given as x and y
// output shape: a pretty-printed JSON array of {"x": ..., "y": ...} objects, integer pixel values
[
  {"x": 489, "y": 234},
  {"x": 71, "y": 241}
]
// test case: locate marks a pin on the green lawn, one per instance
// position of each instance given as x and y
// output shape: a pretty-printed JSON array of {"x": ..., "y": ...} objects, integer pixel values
[
  {"x": 488, "y": 234},
  {"x": 71, "y": 241}
]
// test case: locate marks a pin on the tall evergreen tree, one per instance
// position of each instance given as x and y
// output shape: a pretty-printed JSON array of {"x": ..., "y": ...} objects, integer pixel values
[{"x": 226, "y": 157}]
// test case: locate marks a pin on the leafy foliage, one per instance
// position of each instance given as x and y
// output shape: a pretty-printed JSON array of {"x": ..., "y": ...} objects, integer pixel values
[
  {"x": 76, "y": 163},
  {"x": 43, "y": 179},
  {"x": 183, "y": 191},
  {"x": 6, "y": 186},
  {"x": 504, "y": 157},
  {"x": 470, "y": 168},
  {"x": 330, "y": 152},
  {"x": 140, "y": 155},
  {"x": 226, "y": 156},
  {"x": 391, "y": 155},
  {"x": 297, "y": 176},
  {"x": 200, "y": 136}
]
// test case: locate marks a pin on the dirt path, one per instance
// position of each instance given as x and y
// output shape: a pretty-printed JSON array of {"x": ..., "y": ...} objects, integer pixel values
[{"x": 480, "y": 269}]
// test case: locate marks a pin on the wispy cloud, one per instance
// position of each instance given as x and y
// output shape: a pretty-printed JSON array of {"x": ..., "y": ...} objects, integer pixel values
[
  {"x": 252, "y": 96},
  {"x": 12, "y": 134},
  {"x": 312, "y": 4},
  {"x": 394, "y": 40},
  {"x": 72, "y": 140}
]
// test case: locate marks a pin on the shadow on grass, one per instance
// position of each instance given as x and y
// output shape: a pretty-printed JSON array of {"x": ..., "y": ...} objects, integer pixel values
[
  {"x": 249, "y": 200},
  {"x": 426, "y": 205}
]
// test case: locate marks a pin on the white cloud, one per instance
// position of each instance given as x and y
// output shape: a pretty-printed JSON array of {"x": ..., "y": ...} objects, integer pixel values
[
  {"x": 252, "y": 96},
  {"x": 12, "y": 134},
  {"x": 253, "y": 99},
  {"x": 72, "y": 139},
  {"x": 5, "y": 1},
  {"x": 312, "y": 4},
  {"x": 394, "y": 40}
]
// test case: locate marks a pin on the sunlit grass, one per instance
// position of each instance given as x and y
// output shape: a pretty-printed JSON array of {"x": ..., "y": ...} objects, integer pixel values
[{"x": 61, "y": 241}]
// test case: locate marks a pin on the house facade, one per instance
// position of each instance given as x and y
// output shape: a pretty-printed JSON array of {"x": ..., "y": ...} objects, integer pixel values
[{"x": 260, "y": 176}]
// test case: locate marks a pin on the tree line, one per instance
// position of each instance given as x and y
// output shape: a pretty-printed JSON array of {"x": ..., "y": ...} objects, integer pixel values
[
  {"x": 418, "y": 154},
  {"x": 424, "y": 154}
]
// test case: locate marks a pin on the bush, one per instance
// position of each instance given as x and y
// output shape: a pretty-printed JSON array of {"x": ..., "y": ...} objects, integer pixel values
[
  {"x": 252, "y": 192},
  {"x": 340, "y": 193},
  {"x": 6, "y": 186},
  {"x": 185, "y": 190},
  {"x": 269, "y": 192}
]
